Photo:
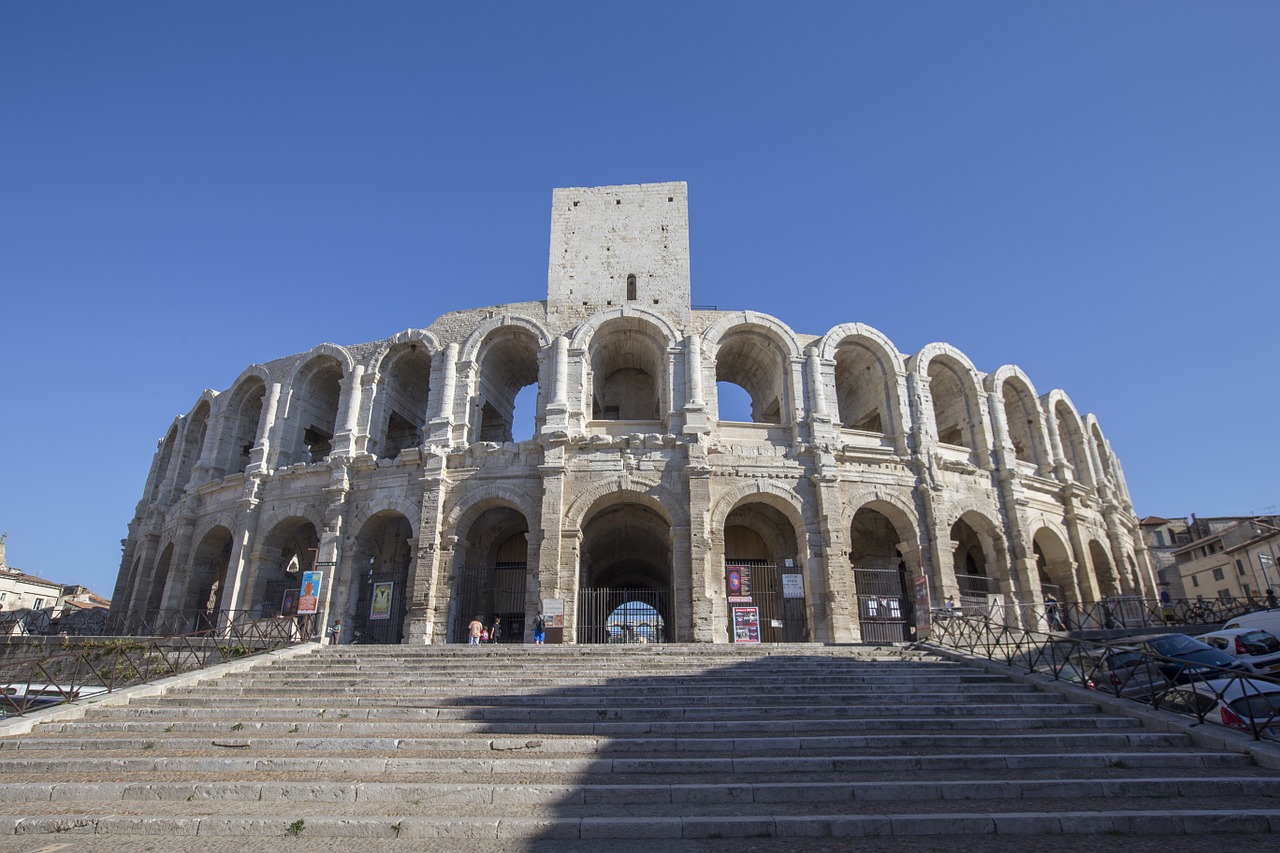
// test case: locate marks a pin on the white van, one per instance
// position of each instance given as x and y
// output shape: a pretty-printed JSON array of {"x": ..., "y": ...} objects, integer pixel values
[{"x": 1267, "y": 620}]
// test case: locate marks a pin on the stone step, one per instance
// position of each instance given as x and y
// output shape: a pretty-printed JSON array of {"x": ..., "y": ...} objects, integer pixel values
[
  {"x": 1034, "y": 705},
  {"x": 1201, "y": 823},
  {"x": 655, "y": 793},
  {"x": 591, "y": 745},
  {"x": 236, "y": 761},
  {"x": 227, "y": 722}
]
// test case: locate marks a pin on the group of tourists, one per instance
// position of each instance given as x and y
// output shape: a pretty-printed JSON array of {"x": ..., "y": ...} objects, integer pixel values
[{"x": 478, "y": 632}]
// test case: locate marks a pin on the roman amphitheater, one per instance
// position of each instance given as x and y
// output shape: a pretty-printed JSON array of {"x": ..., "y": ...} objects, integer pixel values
[{"x": 867, "y": 487}]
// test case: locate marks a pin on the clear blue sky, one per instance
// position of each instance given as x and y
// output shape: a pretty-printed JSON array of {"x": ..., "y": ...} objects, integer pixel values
[{"x": 1090, "y": 190}]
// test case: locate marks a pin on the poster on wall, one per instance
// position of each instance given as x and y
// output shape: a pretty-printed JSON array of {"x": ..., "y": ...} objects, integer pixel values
[
  {"x": 920, "y": 595},
  {"x": 746, "y": 624},
  {"x": 792, "y": 586},
  {"x": 309, "y": 600},
  {"x": 380, "y": 607},
  {"x": 289, "y": 604},
  {"x": 553, "y": 615},
  {"x": 737, "y": 583}
]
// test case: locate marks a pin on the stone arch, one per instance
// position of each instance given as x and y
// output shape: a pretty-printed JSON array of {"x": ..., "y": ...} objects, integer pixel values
[
  {"x": 757, "y": 353},
  {"x": 1071, "y": 436},
  {"x": 157, "y": 580},
  {"x": 883, "y": 559},
  {"x": 205, "y": 593},
  {"x": 164, "y": 459},
  {"x": 582, "y": 336},
  {"x": 422, "y": 337},
  {"x": 868, "y": 378},
  {"x": 469, "y": 506},
  {"x": 195, "y": 429},
  {"x": 1103, "y": 571},
  {"x": 761, "y": 530},
  {"x": 241, "y": 421},
  {"x": 288, "y": 536},
  {"x": 978, "y": 550},
  {"x": 956, "y": 403},
  {"x": 1023, "y": 416},
  {"x": 1100, "y": 449},
  {"x": 383, "y": 505},
  {"x": 372, "y": 598},
  {"x": 1055, "y": 568},
  {"x": 401, "y": 397},
  {"x": 508, "y": 359},
  {"x": 649, "y": 491},
  {"x": 315, "y": 395},
  {"x": 626, "y": 374},
  {"x": 491, "y": 559},
  {"x": 470, "y": 347}
]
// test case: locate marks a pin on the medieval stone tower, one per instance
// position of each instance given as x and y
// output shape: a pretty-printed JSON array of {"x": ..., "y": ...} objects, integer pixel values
[{"x": 634, "y": 507}]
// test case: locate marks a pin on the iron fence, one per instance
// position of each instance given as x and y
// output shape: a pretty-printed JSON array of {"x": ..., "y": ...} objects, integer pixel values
[
  {"x": 86, "y": 668},
  {"x": 1229, "y": 697}
]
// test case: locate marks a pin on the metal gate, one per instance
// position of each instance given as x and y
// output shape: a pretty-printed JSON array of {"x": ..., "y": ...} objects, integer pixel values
[
  {"x": 782, "y": 619},
  {"x": 884, "y": 608},
  {"x": 493, "y": 591},
  {"x": 383, "y": 623},
  {"x": 624, "y": 616}
]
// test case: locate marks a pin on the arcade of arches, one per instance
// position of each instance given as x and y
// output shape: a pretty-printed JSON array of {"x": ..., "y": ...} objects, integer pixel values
[{"x": 573, "y": 456}]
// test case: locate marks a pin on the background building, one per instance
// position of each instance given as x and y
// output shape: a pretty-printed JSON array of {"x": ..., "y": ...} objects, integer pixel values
[{"x": 391, "y": 468}]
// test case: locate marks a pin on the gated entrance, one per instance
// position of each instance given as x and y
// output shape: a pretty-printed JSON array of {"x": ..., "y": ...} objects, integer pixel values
[
  {"x": 624, "y": 616},
  {"x": 782, "y": 617},
  {"x": 884, "y": 607},
  {"x": 379, "y": 616},
  {"x": 489, "y": 591}
]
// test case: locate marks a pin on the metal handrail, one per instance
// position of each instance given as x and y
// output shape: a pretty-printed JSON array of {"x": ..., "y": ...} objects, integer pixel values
[
  {"x": 1091, "y": 664},
  {"x": 94, "y": 667}
]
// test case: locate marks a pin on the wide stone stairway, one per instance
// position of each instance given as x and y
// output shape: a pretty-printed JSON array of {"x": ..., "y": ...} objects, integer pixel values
[{"x": 511, "y": 744}]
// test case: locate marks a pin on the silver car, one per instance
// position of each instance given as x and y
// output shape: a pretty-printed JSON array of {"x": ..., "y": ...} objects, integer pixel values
[{"x": 1257, "y": 649}]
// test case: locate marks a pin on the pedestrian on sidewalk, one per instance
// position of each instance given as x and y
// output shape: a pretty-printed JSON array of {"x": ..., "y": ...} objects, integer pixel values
[{"x": 474, "y": 630}]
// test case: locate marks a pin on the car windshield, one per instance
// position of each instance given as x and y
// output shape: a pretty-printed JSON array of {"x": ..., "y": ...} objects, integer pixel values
[
  {"x": 1258, "y": 707},
  {"x": 1259, "y": 643},
  {"x": 1177, "y": 644}
]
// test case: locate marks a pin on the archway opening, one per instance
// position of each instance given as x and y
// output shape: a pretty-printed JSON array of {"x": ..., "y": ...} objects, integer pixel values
[
  {"x": 1023, "y": 421},
  {"x": 627, "y": 369},
  {"x": 493, "y": 583},
  {"x": 378, "y": 587},
  {"x": 972, "y": 571},
  {"x": 400, "y": 406},
  {"x": 508, "y": 366},
  {"x": 313, "y": 411},
  {"x": 861, "y": 389},
  {"x": 287, "y": 551},
  {"x": 880, "y": 578},
  {"x": 763, "y": 572},
  {"x": 206, "y": 588},
  {"x": 244, "y": 413},
  {"x": 624, "y": 573},
  {"x": 951, "y": 410},
  {"x": 754, "y": 363}
]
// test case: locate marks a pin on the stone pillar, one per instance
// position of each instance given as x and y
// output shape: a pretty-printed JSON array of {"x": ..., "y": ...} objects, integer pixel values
[
  {"x": 557, "y": 411},
  {"x": 708, "y": 621},
  {"x": 260, "y": 455},
  {"x": 695, "y": 407},
  {"x": 838, "y": 599},
  {"x": 349, "y": 405},
  {"x": 204, "y": 466},
  {"x": 557, "y": 555},
  {"x": 442, "y": 424},
  {"x": 428, "y": 585}
]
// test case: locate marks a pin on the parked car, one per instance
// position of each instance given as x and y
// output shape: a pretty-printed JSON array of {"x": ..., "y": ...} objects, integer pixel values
[
  {"x": 1119, "y": 670},
  {"x": 1257, "y": 649},
  {"x": 1241, "y": 703},
  {"x": 1182, "y": 658},
  {"x": 1265, "y": 620}
]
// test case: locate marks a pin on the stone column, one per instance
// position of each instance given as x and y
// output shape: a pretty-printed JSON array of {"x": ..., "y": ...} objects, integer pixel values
[
  {"x": 695, "y": 407},
  {"x": 349, "y": 405},
  {"x": 428, "y": 586},
  {"x": 260, "y": 455}
]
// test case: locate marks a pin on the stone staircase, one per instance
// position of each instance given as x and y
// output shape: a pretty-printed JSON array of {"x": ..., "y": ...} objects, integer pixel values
[{"x": 509, "y": 745}]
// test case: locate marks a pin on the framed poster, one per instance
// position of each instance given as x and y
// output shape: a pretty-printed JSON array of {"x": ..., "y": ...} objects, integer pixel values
[
  {"x": 309, "y": 600},
  {"x": 746, "y": 624},
  {"x": 380, "y": 607},
  {"x": 289, "y": 604},
  {"x": 920, "y": 594}
]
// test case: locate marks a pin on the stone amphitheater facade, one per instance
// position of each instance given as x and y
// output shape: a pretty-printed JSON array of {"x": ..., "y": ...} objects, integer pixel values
[{"x": 861, "y": 470}]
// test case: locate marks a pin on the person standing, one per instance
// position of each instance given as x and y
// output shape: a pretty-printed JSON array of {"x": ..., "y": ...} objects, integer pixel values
[
  {"x": 474, "y": 630},
  {"x": 539, "y": 630},
  {"x": 496, "y": 630}
]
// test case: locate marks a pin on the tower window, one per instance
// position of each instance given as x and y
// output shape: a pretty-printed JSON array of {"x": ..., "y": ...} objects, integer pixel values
[{"x": 631, "y": 287}]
